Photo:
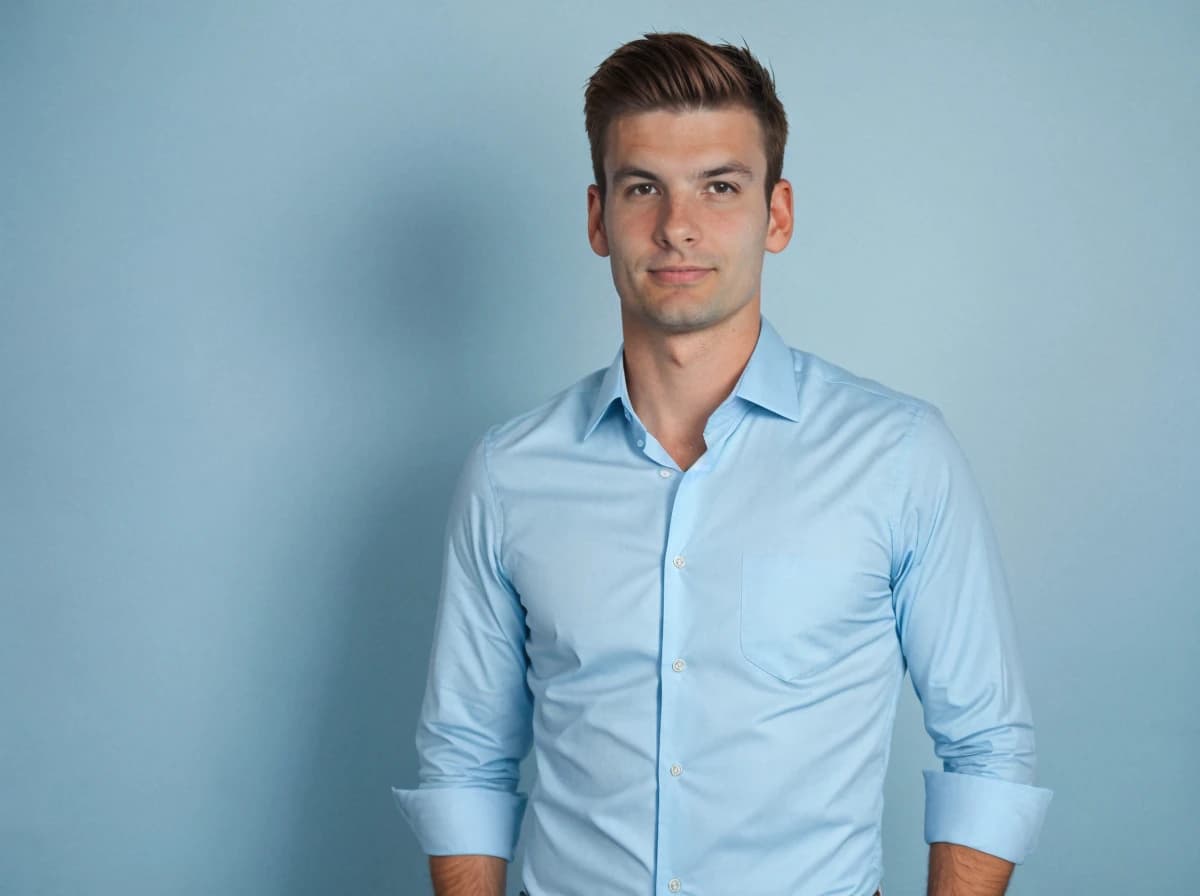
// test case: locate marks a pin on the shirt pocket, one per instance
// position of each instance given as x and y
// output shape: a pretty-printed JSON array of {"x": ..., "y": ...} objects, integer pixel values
[{"x": 793, "y": 622}]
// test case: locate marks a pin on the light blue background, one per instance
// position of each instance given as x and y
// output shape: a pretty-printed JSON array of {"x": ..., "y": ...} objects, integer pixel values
[{"x": 267, "y": 270}]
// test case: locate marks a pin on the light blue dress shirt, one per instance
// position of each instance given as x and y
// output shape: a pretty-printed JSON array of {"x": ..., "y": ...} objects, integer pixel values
[{"x": 707, "y": 663}]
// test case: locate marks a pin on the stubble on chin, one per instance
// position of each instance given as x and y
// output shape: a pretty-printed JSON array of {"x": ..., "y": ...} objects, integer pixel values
[
  {"x": 679, "y": 316},
  {"x": 683, "y": 320},
  {"x": 672, "y": 310}
]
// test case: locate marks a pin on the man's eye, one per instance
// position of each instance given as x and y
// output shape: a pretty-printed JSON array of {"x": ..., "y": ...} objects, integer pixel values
[
  {"x": 722, "y": 186},
  {"x": 641, "y": 189}
]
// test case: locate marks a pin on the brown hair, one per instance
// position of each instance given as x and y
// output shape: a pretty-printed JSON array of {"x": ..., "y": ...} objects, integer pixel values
[{"x": 682, "y": 72}]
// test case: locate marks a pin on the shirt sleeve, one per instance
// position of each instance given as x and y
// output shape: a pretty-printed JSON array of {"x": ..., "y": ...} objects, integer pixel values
[
  {"x": 957, "y": 634},
  {"x": 475, "y": 721}
]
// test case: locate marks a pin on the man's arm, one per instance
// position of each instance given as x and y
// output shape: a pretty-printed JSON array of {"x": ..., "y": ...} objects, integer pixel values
[
  {"x": 475, "y": 724},
  {"x": 956, "y": 870},
  {"x": 468, "y": 875},
  {"x": 956, "y": 630}
]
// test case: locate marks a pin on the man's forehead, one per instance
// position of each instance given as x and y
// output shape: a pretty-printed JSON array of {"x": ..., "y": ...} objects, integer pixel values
[{"x": 699, "y": 139}]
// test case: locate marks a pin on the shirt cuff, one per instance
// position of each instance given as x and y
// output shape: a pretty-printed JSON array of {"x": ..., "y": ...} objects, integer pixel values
[
  {"x": 453, "y": 821},
  {"x": 1002, "y": 818}
]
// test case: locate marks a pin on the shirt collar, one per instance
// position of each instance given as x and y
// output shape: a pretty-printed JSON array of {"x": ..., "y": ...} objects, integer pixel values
[
  {"x": 612, "y": 387},
  {"x": 768, "y": 380}
]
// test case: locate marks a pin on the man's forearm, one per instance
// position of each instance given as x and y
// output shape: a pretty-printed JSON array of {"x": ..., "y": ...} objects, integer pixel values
[
  {"x": 956, "y": 870},
  {"x": 468, "y": 875}
]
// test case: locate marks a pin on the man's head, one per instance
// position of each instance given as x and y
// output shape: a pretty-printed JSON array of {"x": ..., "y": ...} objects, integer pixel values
[
  {"x": 681, "y": 72},
  {"x": 686, "y": 139}
]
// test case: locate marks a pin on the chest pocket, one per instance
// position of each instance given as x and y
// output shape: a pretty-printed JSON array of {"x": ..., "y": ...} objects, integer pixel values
[{"x": 796, "y": 619}]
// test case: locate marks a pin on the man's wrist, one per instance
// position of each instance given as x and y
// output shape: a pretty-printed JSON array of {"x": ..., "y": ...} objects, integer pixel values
[
  {"x": 468, "y": 875},
  {"x": 957, "y": 870}
]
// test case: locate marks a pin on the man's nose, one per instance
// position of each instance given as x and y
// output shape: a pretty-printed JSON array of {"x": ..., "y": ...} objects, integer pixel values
[{"x": 677, "y": 223}]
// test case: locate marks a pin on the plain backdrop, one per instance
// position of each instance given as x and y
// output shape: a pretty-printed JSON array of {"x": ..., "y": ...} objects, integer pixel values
[{"x": 268, "y": 269}]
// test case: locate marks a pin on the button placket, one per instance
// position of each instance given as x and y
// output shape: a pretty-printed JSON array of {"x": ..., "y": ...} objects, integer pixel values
[{"x": 676, "y": 692}]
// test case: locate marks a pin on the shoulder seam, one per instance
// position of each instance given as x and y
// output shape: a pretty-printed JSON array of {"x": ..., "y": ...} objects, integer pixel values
[
  {"x": 882, "y": 392},
  {"x": 577, "y": 387}
]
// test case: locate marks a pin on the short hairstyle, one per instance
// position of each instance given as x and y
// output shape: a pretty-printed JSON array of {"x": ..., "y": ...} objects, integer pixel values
[{"x": 682, "y": 72}]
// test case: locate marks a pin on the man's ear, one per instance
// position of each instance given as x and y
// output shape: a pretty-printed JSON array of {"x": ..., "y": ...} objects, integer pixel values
[
  {"x": 782, "y": 220},
  {"x": 595, "y": 211}
]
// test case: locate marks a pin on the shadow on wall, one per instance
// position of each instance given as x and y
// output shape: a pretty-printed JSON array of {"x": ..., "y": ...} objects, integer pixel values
[{"x": 422, "y": 304}]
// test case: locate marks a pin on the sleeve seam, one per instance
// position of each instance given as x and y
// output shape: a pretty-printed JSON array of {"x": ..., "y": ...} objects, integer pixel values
[
  {"x": 904, "y": 453},
  {"x": 496, "y": 500}
]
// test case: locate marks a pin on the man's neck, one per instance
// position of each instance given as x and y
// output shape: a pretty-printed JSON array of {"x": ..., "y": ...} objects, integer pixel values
[{"x": 676, "y": 380}]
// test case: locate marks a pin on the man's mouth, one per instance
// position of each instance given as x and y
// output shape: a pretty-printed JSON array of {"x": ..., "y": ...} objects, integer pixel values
[{"x": 680, "y": 274}]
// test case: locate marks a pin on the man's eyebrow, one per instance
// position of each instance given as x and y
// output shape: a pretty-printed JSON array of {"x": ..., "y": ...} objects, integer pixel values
[
  {"x": 728, "y": 168},
  {"x": 628, "y": 172}
]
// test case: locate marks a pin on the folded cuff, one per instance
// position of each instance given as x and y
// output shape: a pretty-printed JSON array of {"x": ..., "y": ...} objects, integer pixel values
[
  {"x": 451, "y": 821},
  {"x": 1002, "y": 818}
]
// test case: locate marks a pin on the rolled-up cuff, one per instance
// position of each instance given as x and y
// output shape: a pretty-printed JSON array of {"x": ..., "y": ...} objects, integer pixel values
[
  {"x": 1002, "y": 818},
  {"x": 451, "y": 821}
]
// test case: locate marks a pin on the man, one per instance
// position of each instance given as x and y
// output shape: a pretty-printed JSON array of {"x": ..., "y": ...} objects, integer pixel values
[{"x": 694, "y": 580}]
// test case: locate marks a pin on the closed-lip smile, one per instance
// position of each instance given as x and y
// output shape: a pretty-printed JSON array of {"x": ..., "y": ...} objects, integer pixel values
[{"x": 686, "y": 273}]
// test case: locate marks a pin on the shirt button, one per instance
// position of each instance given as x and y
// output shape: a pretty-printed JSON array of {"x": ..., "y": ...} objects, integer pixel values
[
  {"x": 676, "y": 770},
  {"x": 673, "y": 885},
  {"x": 679, "y": 562},
  {"x": 679, "y": 665},
  {"x": 641, "y": 443},
  {"x": 664, "y": 473}
]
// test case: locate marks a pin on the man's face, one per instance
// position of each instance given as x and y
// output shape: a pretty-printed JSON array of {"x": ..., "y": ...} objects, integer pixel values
[{"x": 685, "y": 224}]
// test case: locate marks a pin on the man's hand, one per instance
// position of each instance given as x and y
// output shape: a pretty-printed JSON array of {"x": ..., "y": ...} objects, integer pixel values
[
  {"x": 956, "y": 870},
  {"x": 468, "y": 875}
]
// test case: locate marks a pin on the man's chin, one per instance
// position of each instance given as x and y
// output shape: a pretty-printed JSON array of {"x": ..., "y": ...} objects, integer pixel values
[{"x": 683, "y": 319}]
